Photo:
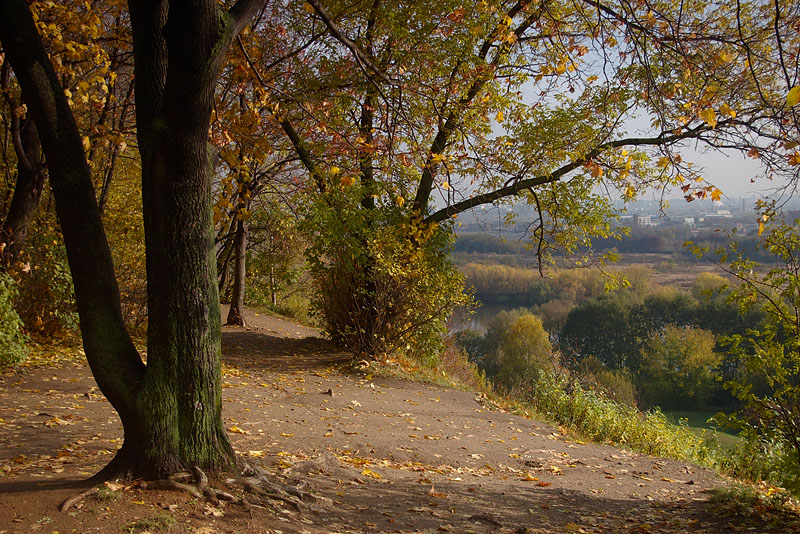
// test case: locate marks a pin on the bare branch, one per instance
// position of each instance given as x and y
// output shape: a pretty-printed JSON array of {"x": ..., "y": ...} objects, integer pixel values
[{"x": 361, "y": 58}]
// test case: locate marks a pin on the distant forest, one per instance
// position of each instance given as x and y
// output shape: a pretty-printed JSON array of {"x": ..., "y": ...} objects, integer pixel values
[{"x": 642, "y": 240}]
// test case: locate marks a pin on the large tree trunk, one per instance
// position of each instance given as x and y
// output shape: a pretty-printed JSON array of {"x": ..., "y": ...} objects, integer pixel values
[{"x": 170, "y": 411}]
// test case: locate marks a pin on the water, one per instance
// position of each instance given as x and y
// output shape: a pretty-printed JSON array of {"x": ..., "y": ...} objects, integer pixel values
[{"x": 479, "y": 320}]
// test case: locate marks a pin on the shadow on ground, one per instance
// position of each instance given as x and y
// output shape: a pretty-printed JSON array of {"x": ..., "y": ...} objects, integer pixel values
[{"x": 255, "y": 350}]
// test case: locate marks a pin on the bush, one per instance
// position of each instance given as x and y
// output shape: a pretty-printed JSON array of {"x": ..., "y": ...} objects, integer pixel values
[
  {"x": 616, "y": 385},
  {"x": 382, "y": 280},
  {"x": 12, "y": 340},
  {"x": 46, "y": 301}
]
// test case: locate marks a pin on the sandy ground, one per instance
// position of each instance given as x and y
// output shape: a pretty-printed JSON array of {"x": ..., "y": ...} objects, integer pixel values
[{"x": 380, "y": 455}]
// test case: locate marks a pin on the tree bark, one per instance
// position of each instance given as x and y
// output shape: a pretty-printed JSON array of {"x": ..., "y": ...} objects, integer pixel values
[
  {"x": 170, "y": 410},
  {"x": 235, "y": 316},
  {"x": 31, "y": 174}
]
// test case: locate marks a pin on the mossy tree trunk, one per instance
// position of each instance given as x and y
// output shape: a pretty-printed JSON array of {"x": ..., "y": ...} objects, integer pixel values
[{"x": 171, "y": 408}]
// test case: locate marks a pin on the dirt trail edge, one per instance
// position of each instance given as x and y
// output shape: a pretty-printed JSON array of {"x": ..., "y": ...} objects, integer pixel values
[{"x": 381, "y": 455}]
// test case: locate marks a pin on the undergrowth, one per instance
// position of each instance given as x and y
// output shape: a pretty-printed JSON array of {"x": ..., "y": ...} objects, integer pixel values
[{"x": 756, "y": 506}]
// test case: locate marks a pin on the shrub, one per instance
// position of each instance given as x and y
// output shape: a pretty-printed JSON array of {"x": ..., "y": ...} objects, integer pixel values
[
  {"x": 46, "y": 300},
  {"x": 12, "y": 340},
  {"x": 382, "y": 280},
  {"x": 678, "y": 368}
]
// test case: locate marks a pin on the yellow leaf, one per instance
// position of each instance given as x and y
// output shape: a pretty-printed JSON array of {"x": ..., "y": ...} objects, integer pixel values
[
  {"x": 334, "y": 171},
  {"x": 663, "y": 162},
  {"x": 370, "y": 473},
  {"x": 793, "y": 98},
  {"x": 709, "y": 116},
  {"x": 87, "y": 144},
  {"x": 726, "y": 110},
  {"x": 308, "y": 7},
  {"x": 285, "y": 435},
  {"x": 236, "y": 430},
  {"x": 630, "y": 191},
  {"x": 716, "y": 194},
  {"x": 400, "y": 201},
  {"x": 499, "y": 117}
]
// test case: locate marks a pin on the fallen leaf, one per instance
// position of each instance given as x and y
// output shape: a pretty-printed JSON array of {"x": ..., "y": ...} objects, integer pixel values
[{"x": 370, "y": 473}]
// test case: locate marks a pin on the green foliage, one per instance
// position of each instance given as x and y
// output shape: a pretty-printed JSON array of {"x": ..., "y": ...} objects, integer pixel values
[
  {"x": 770, "y": 352},
  {"x": 613, "y": 384},
  {"x": 602, "y": 327},
  {"x": 523, "y": 351},
  {"x": 12, "y": 340},
  {"x": 678, "y": 368},
  {"x": 566, "y": 402},
  {"x": 707, "y": 285},
  {"x": 275, "y": 263}
]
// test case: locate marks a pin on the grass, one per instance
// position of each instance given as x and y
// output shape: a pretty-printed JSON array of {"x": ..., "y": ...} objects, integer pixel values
[
  {"x": 160, "y": 522},
  {"x": 698, "y": 422}
]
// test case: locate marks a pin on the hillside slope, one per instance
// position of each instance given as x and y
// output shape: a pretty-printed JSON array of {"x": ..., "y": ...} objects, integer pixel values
[{"x": 381, "y": 455}]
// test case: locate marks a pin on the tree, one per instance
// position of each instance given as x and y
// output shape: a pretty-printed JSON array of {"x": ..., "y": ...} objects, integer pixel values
[
  {"x": 602, "y": 328},
  {"x": 445, "y": 107},
  {"x": 678, "y": 368},
  {"x": 769, "y": 352},
  {"x": 523, "y": 351},
  {"x": 170, "y": 408},
  {"x": 96, "y": 77}
]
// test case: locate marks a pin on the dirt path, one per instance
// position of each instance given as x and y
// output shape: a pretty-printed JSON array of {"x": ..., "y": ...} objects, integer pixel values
[{"x": 383, "y": 455}]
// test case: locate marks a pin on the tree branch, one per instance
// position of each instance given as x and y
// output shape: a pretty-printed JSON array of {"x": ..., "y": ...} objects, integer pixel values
[
  {"x": 242, "y": 11},
  {"x": 519, "y": 185},
  {"x": 361, "y": 58}
]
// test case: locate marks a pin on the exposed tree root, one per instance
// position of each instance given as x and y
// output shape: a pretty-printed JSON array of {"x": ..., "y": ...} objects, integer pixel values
[
  {"x": 194, "y": 483},
  {"x": 256, "y": 480},
  {"x": 73, "y": 501},
  {"x": 252, "y": 480}
]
